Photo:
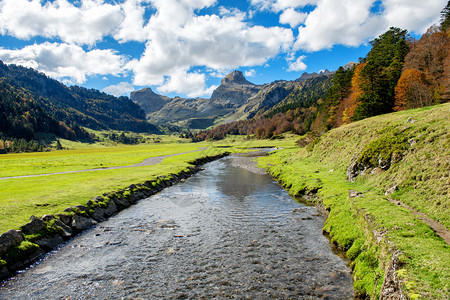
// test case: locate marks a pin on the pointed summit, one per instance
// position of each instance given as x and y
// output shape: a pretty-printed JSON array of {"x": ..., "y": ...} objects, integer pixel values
[{"x": 235, "y": 77}]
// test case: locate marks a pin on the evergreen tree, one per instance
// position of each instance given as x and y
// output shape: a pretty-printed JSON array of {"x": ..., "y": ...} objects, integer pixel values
[
  {"x": 445, "y": 17},
  {"x": 383, "y": 68}
]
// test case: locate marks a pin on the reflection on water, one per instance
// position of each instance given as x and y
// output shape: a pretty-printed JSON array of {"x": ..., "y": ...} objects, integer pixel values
[{"x": 225, "y": 233}]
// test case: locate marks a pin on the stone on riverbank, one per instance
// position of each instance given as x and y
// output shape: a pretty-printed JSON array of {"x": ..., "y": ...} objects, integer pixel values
[
  {"x": 10, "y": 239},
  {"x": 80, "y": 223},
  {"x": 34, "y": 226}
]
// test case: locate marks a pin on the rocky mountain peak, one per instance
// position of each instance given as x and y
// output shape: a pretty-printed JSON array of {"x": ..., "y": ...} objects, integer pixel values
[
  {"x": 148, "y": 100},
  {"x": 235, "y": 77},
  {"x": 306, "y": 76}
]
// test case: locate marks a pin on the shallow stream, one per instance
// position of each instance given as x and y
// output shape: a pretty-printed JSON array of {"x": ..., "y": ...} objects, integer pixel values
[{"x": 227, "y": 232}]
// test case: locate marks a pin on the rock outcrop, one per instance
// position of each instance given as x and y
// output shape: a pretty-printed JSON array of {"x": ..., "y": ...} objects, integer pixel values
[
  {"x": 233, "y": 91},
  {"x": 149, "y": 100}
]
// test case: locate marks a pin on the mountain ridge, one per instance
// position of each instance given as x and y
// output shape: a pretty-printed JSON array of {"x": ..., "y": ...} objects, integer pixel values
[{"x": 235, "y": 99}]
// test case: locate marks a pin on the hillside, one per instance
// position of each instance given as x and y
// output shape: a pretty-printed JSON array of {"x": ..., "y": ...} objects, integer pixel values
[
  {"x": 76, "y": 106},
  {"x": 385, "y": 186}
]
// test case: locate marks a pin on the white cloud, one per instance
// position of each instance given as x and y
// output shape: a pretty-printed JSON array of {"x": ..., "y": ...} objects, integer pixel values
[
  {"x": 85, "y": 24},
  {"x": 66, "y": 62},
  {"x": 192, "y": 84},
  {"x": 292, "y": 17},
  {"x": 414, "y": 15},
  {"x": 351, "y": 23},
  {"x": 346, "y": 22},
  {"x": 280, "y": 5},
  {"x": 180, "y": 39},
  {"x": 250, "y": 73},
  {"x": 122, "y": 88},
  {"x": 298, "y": 64}
]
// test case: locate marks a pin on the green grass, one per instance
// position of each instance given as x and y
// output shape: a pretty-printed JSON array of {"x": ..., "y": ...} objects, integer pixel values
[
  {"x": 21, "y": 198},
  {"x": 422, "y": 181},
  {"x": 82, "y": 159}
]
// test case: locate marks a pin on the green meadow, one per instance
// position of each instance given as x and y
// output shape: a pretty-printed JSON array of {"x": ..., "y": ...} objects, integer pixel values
[{"x": 21, "y": 198}]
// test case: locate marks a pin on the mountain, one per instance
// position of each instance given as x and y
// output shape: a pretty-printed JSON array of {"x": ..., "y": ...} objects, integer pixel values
[
  {"x": 233, "y": 92},
  {"x": 22, "y": 117},
  {"x": 76, "y": 106},
  {"x": 235, "y": 99}
]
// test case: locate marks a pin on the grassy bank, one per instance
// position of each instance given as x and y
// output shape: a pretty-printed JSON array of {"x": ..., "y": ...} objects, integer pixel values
[
  {"x": 21, "y": 198},
  {"x": 369, "y": 227}
]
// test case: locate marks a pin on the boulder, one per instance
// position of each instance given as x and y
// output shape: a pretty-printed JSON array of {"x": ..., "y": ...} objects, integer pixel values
[
  {"x": 66, "y": 219},
  {"x": 3, "y": 273},
  {"x": 99, "y": 214},
  {"x": 99, "y": 198},
  {"x": 47, "y": 218},
  {"x": 80, "y": 223},
  {"x": 354, "y": 194},
  {"x": 384, "y": 163},
  {"x": 10, "y": 239},
  {"x": 66, "y": 231},
  {"x": 34, "y": 226},
  {"x": 50, "y": 243},
  {"x": 111, "y": 209},
  {"x": 353, "y": 170},
  {"x": 121, "y": 202}
]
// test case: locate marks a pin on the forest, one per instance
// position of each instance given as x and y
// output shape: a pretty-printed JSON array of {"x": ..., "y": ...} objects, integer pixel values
[{"x": 32, "y": 103}]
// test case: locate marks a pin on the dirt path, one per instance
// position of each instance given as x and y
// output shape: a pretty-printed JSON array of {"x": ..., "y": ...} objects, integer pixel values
[
  {"x": 147, "y": 162},
  {"x": 437, "y": 227}
]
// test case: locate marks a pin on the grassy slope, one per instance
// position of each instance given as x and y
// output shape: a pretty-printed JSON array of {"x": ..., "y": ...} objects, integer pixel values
[{"x": 370, "y": 228}]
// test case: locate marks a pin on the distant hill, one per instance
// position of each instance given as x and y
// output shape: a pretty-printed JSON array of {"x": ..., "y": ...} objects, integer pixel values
[
  {"x": 22, "y": 117},
  {"x": 235, "y": 99},
  {"x": 73, "y": 106}
]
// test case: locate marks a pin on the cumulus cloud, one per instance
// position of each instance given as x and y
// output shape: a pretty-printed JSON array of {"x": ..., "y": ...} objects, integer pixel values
[
  {"x": 414, "y": 15},
  {"x": 192, "y": 84},
  {"x": 122, "y": 88},
  {"x": 250, "y": 73},
  {"x": 85, "y": 24},
  {"x": 346, "y": 22},
  {"x": 292, "y": 17},
  {"x": 350, "y": 22},
  {"x": 180, "y": 39},
  {"x": 298, "y": 64},
  {"x": 66, "y": 62}
]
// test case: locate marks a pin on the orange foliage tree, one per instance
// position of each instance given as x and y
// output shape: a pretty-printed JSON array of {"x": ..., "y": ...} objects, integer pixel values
[
  {"x": 352, "y": 101},
  {"x": 412, "y": 91}
]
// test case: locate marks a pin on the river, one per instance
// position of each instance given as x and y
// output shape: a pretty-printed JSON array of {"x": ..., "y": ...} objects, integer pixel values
[{"x": 226, "y": 233}]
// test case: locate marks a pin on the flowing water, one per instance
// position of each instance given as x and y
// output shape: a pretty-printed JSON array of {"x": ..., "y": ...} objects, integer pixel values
[{"x": 225, "y": 233}]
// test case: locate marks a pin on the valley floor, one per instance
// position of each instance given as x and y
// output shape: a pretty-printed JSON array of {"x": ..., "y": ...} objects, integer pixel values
[{"x": 390, "y": 247}]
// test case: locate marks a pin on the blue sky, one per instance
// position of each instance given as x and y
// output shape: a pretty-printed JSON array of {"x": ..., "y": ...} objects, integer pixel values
[{"x": 185, "y": 47}]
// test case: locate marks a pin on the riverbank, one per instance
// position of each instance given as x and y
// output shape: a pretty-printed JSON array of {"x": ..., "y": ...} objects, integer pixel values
[
  {"x": 20, "y": 248},
  {"x": 361, "y": 174}
]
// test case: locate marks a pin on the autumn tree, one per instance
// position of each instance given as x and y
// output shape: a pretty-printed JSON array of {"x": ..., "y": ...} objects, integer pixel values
[{"x": 412, "y": 91}]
